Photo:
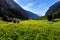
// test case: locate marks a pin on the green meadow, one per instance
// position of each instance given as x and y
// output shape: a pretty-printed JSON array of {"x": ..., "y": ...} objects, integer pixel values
[{"x": 30, "y": 30}]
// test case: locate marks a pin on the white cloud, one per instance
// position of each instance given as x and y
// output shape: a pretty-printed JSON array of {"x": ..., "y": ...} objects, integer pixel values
[
  {"x": 28, "y": 6},
  {"x": 15, "y": 0}
]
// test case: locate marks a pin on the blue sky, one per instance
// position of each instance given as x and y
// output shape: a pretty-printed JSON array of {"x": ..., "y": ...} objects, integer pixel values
[{"x": 38, "y": 7}]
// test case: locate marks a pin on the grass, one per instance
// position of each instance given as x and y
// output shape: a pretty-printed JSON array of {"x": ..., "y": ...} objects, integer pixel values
[{"x": 30, "y": 30}]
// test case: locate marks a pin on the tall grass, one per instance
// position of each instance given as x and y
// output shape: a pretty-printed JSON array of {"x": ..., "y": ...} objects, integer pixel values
[{"x": 30, "y": 30}]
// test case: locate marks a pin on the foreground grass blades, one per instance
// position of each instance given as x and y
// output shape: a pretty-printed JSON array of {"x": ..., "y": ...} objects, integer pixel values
[{"x": 30, "y": 30}]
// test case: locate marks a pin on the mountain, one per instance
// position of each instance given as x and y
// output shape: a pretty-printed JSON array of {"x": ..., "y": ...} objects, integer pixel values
[
  {"x": 32, "y": 15},
  {"x": 54, "y": 11},
  {"x": 10, "y": 9}
]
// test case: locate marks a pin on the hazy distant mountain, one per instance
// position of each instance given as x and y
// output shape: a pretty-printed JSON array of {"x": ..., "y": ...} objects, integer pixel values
[
  {"x": 32, "y": 15},
  {"x": 9, "y": 8},
  {"x": 54, "y": 10}
]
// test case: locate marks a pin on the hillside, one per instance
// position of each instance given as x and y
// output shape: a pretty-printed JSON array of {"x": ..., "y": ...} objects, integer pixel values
[
  {"x": 30, "y": 30},
  {"x": 54, "y": 10},
  {"x": 10, "y": 9},
  {"x": 32, "y": 15}
]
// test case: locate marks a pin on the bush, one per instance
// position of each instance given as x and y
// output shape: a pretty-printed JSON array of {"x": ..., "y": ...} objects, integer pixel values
[
  {"x": 15, "y": 20},
  {"x": 49, "y": 17}
]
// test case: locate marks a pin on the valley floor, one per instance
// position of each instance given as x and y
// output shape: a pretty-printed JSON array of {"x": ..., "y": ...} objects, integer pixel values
[{"x": 30, "y": 30}]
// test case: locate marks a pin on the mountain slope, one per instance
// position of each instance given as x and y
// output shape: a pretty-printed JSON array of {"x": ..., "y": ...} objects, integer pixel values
[
  {"x": 9, "y": 8},
  {"x": 54, "y": 10},
  {"x": 32, "y": 15}
]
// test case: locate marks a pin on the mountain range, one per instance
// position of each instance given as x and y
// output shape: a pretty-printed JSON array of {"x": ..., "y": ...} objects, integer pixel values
[
  {"x": 54, "y": 10},
  {"x": 10, "y": 9}
]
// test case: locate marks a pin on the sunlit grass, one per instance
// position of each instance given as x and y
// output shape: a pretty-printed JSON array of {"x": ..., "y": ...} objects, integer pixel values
[{"x": 30, "y": 30}]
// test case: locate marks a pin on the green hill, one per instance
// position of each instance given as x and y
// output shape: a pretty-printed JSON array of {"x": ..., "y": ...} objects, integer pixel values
[
  {"x": 53, "y": 12},
  {"x": 30, "y": 30}
]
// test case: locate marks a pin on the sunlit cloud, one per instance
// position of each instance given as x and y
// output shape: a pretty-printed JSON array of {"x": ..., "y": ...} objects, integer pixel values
[
  {"x": 36, "y": 6},
  {"x": 28, "y": 6},
  {"x": 15, "y": 0}
]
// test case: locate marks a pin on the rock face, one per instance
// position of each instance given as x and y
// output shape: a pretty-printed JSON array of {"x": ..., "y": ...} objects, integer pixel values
[
  {"x": 54, "y": 11},
  {"x": 10, "y": 9}
]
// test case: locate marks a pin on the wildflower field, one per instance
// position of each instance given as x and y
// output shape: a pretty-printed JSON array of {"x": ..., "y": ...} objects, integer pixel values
[{"x": 30, "y": 30}]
